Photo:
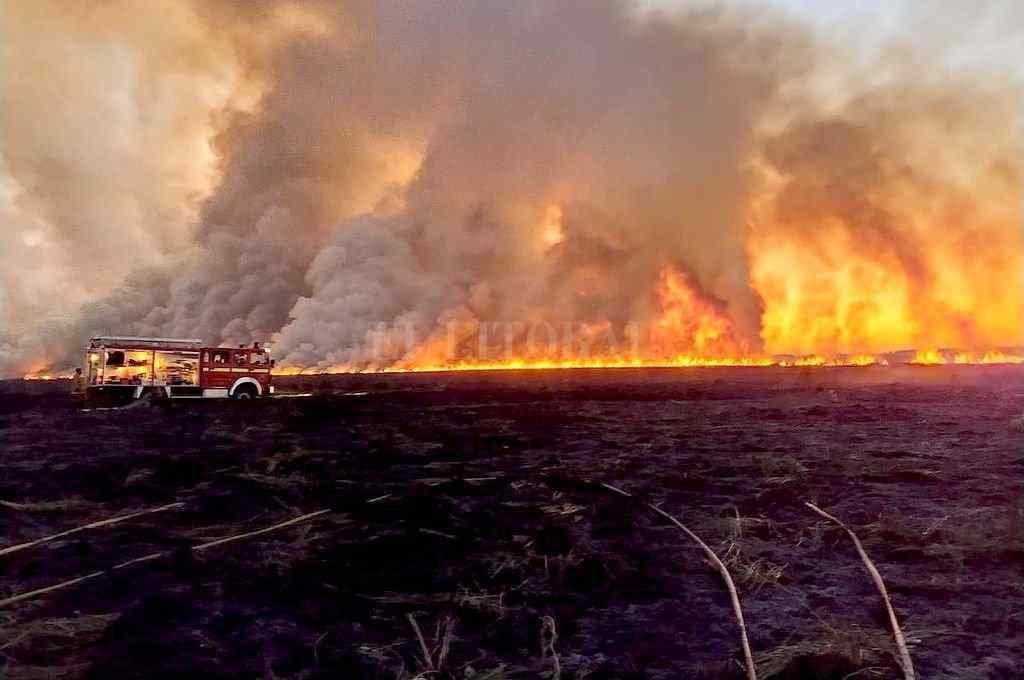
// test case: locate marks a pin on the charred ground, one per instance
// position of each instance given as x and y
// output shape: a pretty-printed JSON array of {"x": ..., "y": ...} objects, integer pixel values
[{"x": 496, "y": 530}]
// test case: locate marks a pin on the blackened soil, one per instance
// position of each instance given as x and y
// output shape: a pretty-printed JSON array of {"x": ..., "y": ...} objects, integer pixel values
[{"x": 495, "y": 526}]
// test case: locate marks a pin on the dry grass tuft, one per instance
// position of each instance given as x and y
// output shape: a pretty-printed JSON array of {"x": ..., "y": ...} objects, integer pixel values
[
  {"x": 383, "y": 656},
  {"x": 433, "y": 657},
  {"x": 66, "y": 672},
  {"x": 36, "y": 633},
  {"x": 752, "y": 574},
  {"x": 48, "y": 638},
  {"x": 830, "y": 652},
  {"x": 499, "y": 673},
  {"x": 46, "y": 507},
  {"x": 548, "y": 639},
  {"x": 482, "y": 601},
  {"x": 781, "y": 469},
  {"x": 282, "y": 557}
]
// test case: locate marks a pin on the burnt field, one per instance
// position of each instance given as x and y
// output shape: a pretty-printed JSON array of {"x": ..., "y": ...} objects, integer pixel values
[{"x": 469, "y": 534}]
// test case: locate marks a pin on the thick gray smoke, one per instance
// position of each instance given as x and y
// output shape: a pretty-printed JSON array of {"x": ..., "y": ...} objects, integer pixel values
[
  {"x": 332, "y": 174},
  {"x": 203, "y": 140},
  {"x": 637, "y": 132}
]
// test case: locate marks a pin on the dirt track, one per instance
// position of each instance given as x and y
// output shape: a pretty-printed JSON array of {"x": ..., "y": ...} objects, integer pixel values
[{"x": 496, "y": 519}]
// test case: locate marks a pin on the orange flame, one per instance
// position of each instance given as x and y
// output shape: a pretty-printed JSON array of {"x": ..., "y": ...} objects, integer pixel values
[
  {"x": 693, "y": 330},
  {"x": 690, "y": 322}
]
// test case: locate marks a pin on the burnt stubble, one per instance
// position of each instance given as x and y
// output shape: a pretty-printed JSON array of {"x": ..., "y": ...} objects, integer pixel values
[{"x": 491, "y": 536}]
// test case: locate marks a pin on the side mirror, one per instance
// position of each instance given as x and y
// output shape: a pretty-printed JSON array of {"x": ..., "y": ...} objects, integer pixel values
[{"x": 272, "y": 363}]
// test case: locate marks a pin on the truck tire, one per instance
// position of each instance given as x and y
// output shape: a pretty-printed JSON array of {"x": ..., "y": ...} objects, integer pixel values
[{"x": 245, "y": 391}]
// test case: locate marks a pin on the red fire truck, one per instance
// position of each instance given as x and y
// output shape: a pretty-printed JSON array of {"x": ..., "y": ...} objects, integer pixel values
[{"x": 176, "y": 368}]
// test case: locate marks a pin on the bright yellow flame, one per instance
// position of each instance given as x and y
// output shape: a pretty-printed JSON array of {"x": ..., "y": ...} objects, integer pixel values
[
  {"x": 46, "y": 376},
  {"x": 929, "y": 357},
  {"x": 551, "y": 232},
  {"x": 921, "y": 358},
  {"x": 681, "y": 361},
  {"x": 946, "y": 274},
  {"x": 998, "y": 357},
  {"x": 935, "y": 357},
  {"x": 690, "y": 330}
]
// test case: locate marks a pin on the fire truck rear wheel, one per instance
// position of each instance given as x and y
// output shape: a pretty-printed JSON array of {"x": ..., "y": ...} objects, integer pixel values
[{"x": 245, "y": 392}]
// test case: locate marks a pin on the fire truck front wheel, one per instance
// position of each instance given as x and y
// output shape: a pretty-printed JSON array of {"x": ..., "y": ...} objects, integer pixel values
[{"x": 245, "y": 392}]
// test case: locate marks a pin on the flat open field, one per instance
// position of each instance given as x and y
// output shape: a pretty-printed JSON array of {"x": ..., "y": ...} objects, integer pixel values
[{"x": 473, "y": 503}]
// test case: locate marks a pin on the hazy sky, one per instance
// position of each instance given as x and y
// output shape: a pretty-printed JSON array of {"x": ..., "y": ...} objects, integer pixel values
[
  {"x": 824, "y": 12},
  {"x": 986, "y": 32},
  {"x": 831, "y": 10}
]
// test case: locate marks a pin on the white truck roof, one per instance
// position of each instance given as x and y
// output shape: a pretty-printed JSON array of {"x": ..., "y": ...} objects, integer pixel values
[{"x": 131, "y": 341}]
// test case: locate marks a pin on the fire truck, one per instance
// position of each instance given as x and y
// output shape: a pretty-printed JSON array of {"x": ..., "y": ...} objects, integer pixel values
[{"x": 123, "y": 367}]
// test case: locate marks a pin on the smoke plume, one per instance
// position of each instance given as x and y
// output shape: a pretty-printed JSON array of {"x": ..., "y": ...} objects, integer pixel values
[{"x": 360, "y": 181}]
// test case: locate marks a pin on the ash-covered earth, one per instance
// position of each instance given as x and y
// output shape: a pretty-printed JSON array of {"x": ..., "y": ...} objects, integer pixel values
[{"x": 470, "y": 535}]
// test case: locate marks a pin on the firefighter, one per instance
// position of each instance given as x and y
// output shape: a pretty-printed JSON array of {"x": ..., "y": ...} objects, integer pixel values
[{"x": 78, "y": 385}]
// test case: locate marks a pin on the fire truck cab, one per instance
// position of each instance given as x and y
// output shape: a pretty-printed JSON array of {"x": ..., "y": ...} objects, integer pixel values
[{"x": 176, "y": 368}]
